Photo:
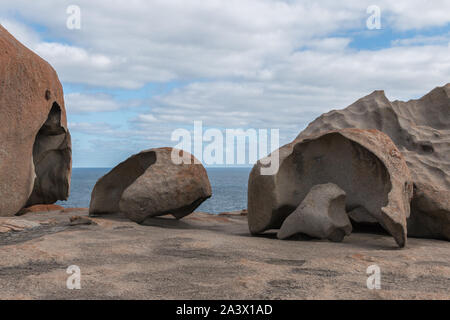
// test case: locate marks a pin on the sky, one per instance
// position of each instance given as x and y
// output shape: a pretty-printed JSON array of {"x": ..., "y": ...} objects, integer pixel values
[{"x": 137, "y": 70}]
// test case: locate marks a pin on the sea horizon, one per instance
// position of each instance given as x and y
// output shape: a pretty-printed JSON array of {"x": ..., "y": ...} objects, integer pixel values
[{"x": 229, "y": 188}]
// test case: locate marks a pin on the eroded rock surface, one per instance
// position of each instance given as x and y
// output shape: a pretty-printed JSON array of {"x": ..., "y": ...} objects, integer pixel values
[
  {"x": 35, "y": 149},
  {"x": 150, "y": 184},
  {"x": 205, "y": 256},
  {"x": 421, "y": 131},
  {"x": 364, "y": 163},
  {"x": 320, "y": 215},
  {"x": 361, "y": 215},
  {"x": 15, "y": 225}
]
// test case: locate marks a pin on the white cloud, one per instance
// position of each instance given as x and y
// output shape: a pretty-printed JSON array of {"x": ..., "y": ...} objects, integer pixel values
[
  {"x": 147, "y": 118},
  {"x": 239, "y": 63},
  {"x": 102, "y": 128},
  {"x": 65, "y": 54},
  {"x": 128, "y": 44},
  {"x": 80, "y": 102},
  {"x": 304, "y": 86},
  {"x": 417, "y": 14},
  {"x": 329, "y": 44},
  {"x": 24, "y": 34},
  {"x": 443, "y": 39}
]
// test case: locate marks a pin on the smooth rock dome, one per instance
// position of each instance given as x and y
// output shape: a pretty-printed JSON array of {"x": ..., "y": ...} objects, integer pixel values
[{"x": 35, "y": 144}]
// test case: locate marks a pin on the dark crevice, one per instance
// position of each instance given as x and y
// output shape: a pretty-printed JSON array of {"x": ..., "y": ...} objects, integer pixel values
[{"x": 52, "y": 161}]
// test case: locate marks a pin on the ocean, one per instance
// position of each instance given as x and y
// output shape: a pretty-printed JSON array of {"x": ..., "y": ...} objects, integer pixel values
[{"x": 229, "y": 188}]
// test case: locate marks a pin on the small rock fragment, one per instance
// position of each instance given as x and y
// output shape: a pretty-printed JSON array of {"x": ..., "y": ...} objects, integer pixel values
[
  {"x": 242, "y": 212},
  {"x": 321, "y": 215},
  {"x": 79, "y": 220}
]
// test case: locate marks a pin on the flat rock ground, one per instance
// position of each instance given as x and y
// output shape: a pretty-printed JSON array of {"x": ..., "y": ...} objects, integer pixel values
[{"x": 206, "y": 257}]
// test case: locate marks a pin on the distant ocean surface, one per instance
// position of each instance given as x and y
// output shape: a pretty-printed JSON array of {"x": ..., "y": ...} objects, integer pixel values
[{"x": 229, "y": 187}]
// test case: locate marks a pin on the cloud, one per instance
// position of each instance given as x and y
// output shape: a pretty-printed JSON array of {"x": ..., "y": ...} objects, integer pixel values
[
  {"x": 302, "y": 87},
  {"x": 231, "y": 64},
  {"x": 129, "y": 44},
  {"x": 59, "y": 53},
  {"x": 23, "y": 33},
  {"x": 146, "y": 118},
  {"x": 96, "y": 128},
  {"x": 81, "y": 102},
  {"x": 417, "y": 14},
  {"x": 443, "y": 39}
]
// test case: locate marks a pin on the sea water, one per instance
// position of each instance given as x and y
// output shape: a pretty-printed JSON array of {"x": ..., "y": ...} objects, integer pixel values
[{"x": 229, "y": 187}]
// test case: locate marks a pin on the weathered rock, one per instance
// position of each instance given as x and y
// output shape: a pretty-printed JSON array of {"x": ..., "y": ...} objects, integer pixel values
[
  {"x": 431, "y": 218},
  {"x": 10, "y": 224},
  {"x": 361, "y": 215},
  {"x": 242, "y": 212},
  {"x": 150, "y": 184},
  {"x": 40, "y": 208},
  {"x": 215, "y": 256},
  {"x": 80, "y": 220},
  {"x": 421, "y": 131},
  {"x": 35, "y": 149},
  {"x": 364, "y": 163},
  {"x": 320, "y": 215}
]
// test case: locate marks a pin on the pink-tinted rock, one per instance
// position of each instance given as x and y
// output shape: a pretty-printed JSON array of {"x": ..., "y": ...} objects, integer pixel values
[{"x": 35, "y": 149}]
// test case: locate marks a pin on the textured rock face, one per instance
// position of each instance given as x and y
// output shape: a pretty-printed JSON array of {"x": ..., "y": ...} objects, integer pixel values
[
  {"x": 206, "y": 256},
  {"x": 320, "y": 215},
  {"x": 15, "y": 225},
  {"x": 40, "y": 208},
  {"x": 35, "y": 149},
  {"x": 364, "y": 163},
  {"x": 421, "y": 131},
  {"x": 149, "y": 184},
  {"x": 431, "y": 217},
  {"x": 361, "y": 215}
]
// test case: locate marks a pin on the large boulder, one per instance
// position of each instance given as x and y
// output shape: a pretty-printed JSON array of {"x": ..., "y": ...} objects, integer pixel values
[
  {"x": 421, "y": 131},
  {"x": 35, "y": 149},
  {"x": 364, "y": 163},
  {"x": 431, "y": 218},
  {"x": 151, "y": 184},
  {"x": 320, "y": 215}
]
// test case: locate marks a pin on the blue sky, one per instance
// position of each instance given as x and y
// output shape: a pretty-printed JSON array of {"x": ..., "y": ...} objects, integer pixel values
[{"x": 137, "y": 70}]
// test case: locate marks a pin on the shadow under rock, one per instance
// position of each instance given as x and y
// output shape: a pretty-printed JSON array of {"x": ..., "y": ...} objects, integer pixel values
[
  {"x": 367, "y": 237},
  {"x": 216, "y": 224}
]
